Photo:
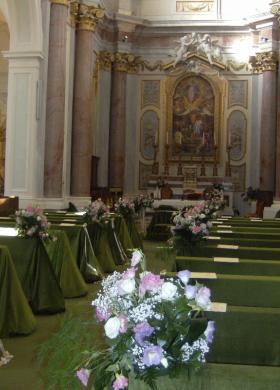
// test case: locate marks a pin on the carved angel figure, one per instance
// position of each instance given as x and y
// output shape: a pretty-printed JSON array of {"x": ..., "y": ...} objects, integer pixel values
[
  {"x": 209, "y": 48},
  {"x": 186, "y": 42}
]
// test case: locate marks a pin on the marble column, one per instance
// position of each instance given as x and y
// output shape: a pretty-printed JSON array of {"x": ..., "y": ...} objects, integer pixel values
[
  {"x": 268, "y": 133},
  {"x": 83, "y": 104},
  {"x": 55, "y": 111},
  {"x": 117, "y": 122}
]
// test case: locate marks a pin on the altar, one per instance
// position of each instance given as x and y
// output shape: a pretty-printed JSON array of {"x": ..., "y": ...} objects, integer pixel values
[{"x": 187, "y": 193}]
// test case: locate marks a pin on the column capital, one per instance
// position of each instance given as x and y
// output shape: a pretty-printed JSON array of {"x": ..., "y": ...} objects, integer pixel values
[
  {"x": 275, "y": 9},
  {"x": 61, "y": 2},
  {"x": 264, "y": 62},
  {"x": 85, "y": 17},
  {"x": 126, "y": 62}
]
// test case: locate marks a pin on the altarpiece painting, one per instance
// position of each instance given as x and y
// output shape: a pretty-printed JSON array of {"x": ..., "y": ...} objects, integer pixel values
[{"x": 194, "y": 118}]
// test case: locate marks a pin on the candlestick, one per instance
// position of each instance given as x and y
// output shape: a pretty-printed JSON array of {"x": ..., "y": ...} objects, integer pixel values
[
  {"x": 202, "y": 171},
  {"x": 166, "y": 166},
  {"x": 167, "y": 138},
  {"x": 215, "y": 169},
  {"x": 228, "y": 167}
]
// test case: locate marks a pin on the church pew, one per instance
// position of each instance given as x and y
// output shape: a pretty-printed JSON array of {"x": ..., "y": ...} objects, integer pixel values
[
  {"x": 242, "y": 252},
  {"x": 240, "y": 290},
  {"x": 265, "y": 243},
  {"x": 242, "y": 267},
  {"x": 230, "y": 233},
  {"x": 246, "y": 335}
]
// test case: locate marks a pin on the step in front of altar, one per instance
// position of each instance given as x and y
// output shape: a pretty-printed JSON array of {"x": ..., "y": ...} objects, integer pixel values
[
  {"x": 228, "y": 265},
  {"x": 246, "y": 335}
]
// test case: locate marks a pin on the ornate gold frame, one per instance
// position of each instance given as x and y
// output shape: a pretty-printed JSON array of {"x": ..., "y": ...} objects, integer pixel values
[
  {"x": 157, "y": 105},
  {"x": 246, "y": 86},
  {"x": 218, "y": 86}
]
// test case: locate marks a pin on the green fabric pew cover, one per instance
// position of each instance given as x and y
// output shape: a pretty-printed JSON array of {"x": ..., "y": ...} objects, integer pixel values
[
  {"x": 99, "y": 239},
  {"x": 245, "y": 290},
  {"x": 65, "y": 266},
  {"x": 246, "y": 335},
  {"x": 16, "y": 316},
  {"x": 244, "y": 242},
  {"x": 260, "y": 235},
  {"x": 244, "y": 267},
  {"x": 36, "y": 274},
  {"x": 242, "y": 252},
  {"x": 161, "y": 217},
  {"x": 123, "y": 233},
  {"x": 134, "y": 234},
  {"x": 84, "y": 255}
]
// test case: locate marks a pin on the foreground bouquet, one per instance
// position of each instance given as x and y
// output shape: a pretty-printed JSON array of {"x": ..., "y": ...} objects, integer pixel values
[
  {"x": 125, "y": 207},
  {"x": 97, "y": 211},
  {"x": 31, "y": 222},
  {"x": 154, "y": 326},
  {"x": 141, "y": 202}
]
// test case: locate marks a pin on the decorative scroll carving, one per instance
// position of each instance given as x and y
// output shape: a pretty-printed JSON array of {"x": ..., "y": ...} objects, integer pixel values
[
  {"x": 264, "y": 62},
  {"x": 194, "y": 6},
  {"x": 237, "y": 66},
  {"x": 125, "y": 62}
]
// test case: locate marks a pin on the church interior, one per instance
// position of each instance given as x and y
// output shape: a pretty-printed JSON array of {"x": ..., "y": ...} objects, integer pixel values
[{"x": 141, "y": 134}]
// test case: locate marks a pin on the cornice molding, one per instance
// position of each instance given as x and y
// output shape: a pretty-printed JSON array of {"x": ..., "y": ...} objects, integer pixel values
[{"x": 60, "y": 2}]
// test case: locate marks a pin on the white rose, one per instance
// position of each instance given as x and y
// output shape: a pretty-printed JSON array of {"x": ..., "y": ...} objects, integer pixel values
[
  {"x": 168, "y": 291},
  {"x": 126, "y": 286},
  {"x": 164, "y": 362},
  {"x": 112, "y": 327}
]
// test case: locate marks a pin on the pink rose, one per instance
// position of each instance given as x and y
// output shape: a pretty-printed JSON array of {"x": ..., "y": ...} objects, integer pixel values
[
  {"x": 129, "y": 273},
  {"x": 120, "y": 383},
  {"x": 102, "y": 315},
  {"x": 124, "y": 321},
  {"x": 196, "y": 229},
  {"x": 83, "y": 376},
  {"x": 149, "y": 282}
]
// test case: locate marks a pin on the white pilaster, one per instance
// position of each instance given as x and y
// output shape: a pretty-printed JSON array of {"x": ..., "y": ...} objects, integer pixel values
[{"x": 24, "y": 159}]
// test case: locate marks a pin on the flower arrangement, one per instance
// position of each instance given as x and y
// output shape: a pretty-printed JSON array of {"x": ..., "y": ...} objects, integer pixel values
[
  {"x": 214, "y": 196},
  {"x": 31, "y": 222},
  {"x": 142, "y": 202},
  {"x": 154, "y": 326},
  {"x": 97, "y": 211},
  {"x": 125, "y": 207},
  {"x": 191, "y": 225}
]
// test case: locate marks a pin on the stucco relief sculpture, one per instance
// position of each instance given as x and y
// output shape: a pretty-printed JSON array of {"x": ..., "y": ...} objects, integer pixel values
[{"x": 201, "y": 45}]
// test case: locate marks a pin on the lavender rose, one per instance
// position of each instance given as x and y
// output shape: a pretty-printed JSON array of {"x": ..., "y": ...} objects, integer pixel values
[
  {"x": 120, "y": 383},
  {"x": 203, "y": 297},
  {"x": 142, "y": 331},
  {"x": 152, "y": 356},
  {"x": 83, "y": 376},
  {"x": 184, "y": 276}
]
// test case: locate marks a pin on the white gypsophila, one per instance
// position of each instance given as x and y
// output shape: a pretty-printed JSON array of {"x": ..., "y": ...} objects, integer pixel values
[
  {"x": 169, "y": 291},
  {"x": 199, "y": 345},
  {"x": 112, "y": 327},
  {"x": 137, "y": 352}
]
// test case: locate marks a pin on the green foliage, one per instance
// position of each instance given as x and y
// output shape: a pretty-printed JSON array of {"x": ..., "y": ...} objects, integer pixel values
[{"x": 60, "y": 355}]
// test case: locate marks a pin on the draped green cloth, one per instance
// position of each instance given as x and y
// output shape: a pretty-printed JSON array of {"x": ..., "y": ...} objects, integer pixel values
[
  {"x": 99, "y": 239},
  {"x": 15, "y": 314},
  {"x": 83, "y": 253},
  {"x": 243, "y": 267},
  {"x": 246, "y": 335},
  {"x": 36, "y": 274},
  {"x": 133, "y": 232},
  {"x": 256, "y": 242},
  {"x": 243, "y": 252},
  {"x": 65, "y": 266},
  {"x": 245, "y": 290},
  {"x": 158, "y": 228},
  {"x": 123, "y": 233}
]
